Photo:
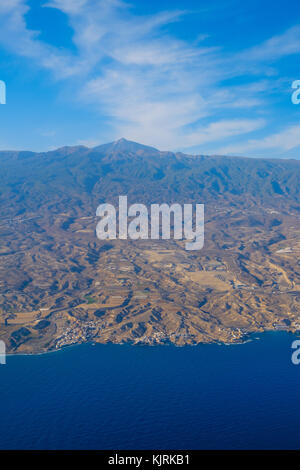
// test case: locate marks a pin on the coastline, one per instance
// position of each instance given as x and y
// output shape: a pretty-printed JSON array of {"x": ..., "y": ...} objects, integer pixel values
[{"x": 251, "y": 337}]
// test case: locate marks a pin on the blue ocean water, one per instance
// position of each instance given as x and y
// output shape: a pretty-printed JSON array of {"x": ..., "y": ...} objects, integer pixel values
[{"x": 131, "y": 397}]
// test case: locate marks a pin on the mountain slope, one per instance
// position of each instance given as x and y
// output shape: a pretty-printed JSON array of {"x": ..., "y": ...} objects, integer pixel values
[
  {"x": 59, "y": 284},
  {"x": 86, "y": 174}
]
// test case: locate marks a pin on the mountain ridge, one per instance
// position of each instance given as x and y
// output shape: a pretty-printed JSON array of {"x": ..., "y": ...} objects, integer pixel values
[{"x": 125, "y": 145}]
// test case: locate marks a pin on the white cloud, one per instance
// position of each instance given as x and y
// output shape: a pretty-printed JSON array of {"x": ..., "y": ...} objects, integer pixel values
[
  {"x": 212, "y": 133},
  {"x": 16, "y": 37},
  {"x": 285, "y": 140},
  {"x": 151, "y": 86},
  {"x": 277, "y": 46}
]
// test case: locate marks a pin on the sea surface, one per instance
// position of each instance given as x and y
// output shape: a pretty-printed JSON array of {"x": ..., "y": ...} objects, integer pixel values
[{"x": 163, "y": 397}]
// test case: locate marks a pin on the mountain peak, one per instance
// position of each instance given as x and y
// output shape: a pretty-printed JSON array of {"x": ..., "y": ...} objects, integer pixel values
[
  {"x": 122, "y": 141},
  {"x": 128, "y": 146}
]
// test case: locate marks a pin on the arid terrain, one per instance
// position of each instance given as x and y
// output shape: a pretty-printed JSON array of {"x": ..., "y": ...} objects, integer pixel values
[{"x": 60, "y": 285}]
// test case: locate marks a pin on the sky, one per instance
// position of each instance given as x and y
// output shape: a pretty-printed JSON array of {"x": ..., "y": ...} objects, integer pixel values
[{"x": 196, "y": 76}]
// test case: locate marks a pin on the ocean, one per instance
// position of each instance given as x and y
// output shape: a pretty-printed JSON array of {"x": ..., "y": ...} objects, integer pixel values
[{"x": 116, "y": 397}]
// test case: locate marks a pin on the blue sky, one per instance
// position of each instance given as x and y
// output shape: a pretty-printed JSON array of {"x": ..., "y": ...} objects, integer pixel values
[{"x": 196, "y": 76}]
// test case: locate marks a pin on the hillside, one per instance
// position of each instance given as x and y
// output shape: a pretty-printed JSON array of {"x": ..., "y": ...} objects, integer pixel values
[{"x": 59, "y": 284}]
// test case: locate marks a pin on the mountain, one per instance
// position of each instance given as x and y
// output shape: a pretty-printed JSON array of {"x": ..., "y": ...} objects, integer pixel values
[
  {"x": 87, "y": 175},
  {"x": 128, "y": 147},
  {"x": 59, "y": 284}
]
